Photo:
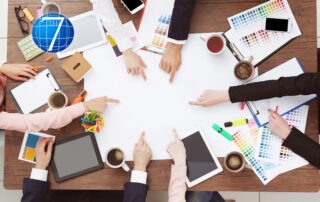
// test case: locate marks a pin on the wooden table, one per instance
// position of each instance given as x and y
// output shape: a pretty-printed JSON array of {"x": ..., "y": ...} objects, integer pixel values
[{"x": 209, "y": 15}]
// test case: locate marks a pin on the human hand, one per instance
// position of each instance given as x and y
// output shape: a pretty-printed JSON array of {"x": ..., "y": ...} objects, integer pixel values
[
  {"x": 43, "y": 153},
  {"x": 134, "y": 63},
  {"x": 278, "y": 125},
  {"x": 171, "y": 59},
  {"x": 99, "y": 104},
  {"x": 19, "y": 72},
  {"x": 211, "y": 97},
  {"x": 177, "y": 150},
  {"x": 141, "y": 154}
]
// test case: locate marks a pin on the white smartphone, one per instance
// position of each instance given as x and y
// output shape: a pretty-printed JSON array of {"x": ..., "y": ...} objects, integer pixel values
[
  {"x": 278, "y": 24},
  {"x": 133, "y": 6}
]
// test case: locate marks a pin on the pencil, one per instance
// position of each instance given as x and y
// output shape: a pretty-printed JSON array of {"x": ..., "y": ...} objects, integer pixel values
[{"x": 39, "y": 67}]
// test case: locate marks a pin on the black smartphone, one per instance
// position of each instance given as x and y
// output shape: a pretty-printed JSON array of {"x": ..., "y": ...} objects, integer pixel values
[{"x": 277, "y": 24}]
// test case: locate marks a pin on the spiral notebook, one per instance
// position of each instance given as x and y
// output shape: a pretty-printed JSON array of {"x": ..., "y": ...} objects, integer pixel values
[{"x": 34, "y": 93}]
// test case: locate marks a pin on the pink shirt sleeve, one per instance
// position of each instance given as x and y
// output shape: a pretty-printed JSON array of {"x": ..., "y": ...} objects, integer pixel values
[
  {"x": 177, "y": 185},
  {"x": 40, "y": 121}
]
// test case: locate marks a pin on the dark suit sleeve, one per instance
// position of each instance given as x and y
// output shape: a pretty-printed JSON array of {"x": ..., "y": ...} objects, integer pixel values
[
  {"x": 135, "y": 192},
  {"x": 302, "y": 145},
  {"x": 181, "y": 19},
  {"x": 35, "y": 190},
  {"x": 304, "y": 84}
]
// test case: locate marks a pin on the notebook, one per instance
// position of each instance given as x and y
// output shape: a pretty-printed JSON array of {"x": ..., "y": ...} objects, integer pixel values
[
  {"x": 34, "y": 93},
  {"x": 259, "y": 109},
  {"x": 76, "y": 66}
]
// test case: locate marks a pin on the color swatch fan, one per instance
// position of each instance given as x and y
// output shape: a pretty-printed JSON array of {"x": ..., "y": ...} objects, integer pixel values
[{"x": 248, "y": 33}]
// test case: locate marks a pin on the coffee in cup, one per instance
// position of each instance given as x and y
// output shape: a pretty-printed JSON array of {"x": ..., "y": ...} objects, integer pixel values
[
  {"x": 234, "y": 162},
  {"x": 115, "y": 158},
  {"x": 215, "y": 43},
  {"x": 49, "y": 7},
  {"x": 57, "y": 100},
  {"x": 244, "y": 70}
]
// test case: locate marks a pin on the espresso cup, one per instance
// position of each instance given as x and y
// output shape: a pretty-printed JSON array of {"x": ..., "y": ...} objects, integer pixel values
[
  {"x": 115, "y": 158},
  {"x": 244, "y": 70},
  {"x": 234, "y": 162},
  {"x": 49, "y": 7},
  {"x": 57, "y": 100},
  {"x": 215, "y": 43}
]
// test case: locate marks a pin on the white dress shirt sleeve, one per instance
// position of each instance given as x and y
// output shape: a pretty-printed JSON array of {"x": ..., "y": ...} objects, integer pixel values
[
  {"x": 39, "y": 174},
  {"x": 178, "y": 42},
  {"x": 111, "y": 21},
  {"x": 139, "y": 177}
]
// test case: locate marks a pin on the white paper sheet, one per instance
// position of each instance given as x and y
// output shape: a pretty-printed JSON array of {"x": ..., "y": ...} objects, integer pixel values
[{"x": 155, "y": 105}]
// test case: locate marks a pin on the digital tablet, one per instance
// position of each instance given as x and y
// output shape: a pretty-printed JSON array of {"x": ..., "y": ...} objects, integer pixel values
[
  {"x": 88, "y": 33},
  {"x": 202, "y": 163},
  {"x": 75, "y": 156}
]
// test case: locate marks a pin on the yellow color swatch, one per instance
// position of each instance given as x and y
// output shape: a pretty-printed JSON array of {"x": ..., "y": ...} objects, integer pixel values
[{"x": 29, "y": 154}]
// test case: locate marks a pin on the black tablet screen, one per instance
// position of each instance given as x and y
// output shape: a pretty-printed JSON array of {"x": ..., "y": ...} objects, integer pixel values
[
  {"x": 75, "y": 156},
  {"x": 199, "y": 159}
]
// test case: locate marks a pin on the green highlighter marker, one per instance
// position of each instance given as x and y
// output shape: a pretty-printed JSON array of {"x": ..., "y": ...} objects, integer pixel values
[{"x": 224, "y": 133}]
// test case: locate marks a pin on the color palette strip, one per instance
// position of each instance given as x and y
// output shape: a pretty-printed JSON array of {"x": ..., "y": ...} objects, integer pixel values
[
  {"x": 260, "y": 37},
  {"x": 257, "y": 14},
  {"x": 247, "y": 150}
]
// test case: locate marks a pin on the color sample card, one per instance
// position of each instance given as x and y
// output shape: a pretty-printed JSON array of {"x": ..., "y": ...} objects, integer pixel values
[
  {"x": 248, "y": 32},
  {"x": 29, "y": 143},
  {"x": 160, "y": 34},
  {"x": 270, "y": 147},
  {"x": 133, "y": 37},
  {"x": 155, "y": 23},
  {"x": 264, "y": 170}
]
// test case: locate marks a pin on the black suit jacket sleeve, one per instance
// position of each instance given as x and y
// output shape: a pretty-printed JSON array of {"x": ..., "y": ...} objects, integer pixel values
[
  {"x": 181, "y": 19},
  {"x": 135, "y": 192},
  {"x": 35, "y": 190},
  {"x": 303, "y": 146},
  {"x": 304, "y": 84}
]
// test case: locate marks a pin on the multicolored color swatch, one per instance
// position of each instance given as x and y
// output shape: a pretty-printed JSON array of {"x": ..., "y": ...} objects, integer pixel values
[
  {"x": 159, "y": 39},
  {"x": 260, "y": 37},
  {"x": 271, "y": 8},
  {"x": 247, "y": 150},
  {"x": 29, "y": 143},
  {"x": 270, "y": 147}
]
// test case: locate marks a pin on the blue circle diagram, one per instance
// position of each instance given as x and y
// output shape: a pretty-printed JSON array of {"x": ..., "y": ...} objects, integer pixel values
[{"x": 53, "y": 32}]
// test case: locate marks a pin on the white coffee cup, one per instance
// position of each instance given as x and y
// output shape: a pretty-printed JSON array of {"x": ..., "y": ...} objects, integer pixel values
[
  {"x": 57, "y": 100},
  {"x": 49, "y": 7},
  {"x": 215, "y": 43},
  {"x": 115, "y": 158}
]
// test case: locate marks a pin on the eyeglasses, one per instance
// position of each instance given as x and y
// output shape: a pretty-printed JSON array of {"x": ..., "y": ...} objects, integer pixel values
[{"x": 24, "y": 26}]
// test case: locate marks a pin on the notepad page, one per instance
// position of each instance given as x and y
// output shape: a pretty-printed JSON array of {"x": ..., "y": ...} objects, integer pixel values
[{"x": 34, "y": 93}]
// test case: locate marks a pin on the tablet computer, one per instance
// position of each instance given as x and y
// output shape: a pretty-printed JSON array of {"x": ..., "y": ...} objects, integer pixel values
[
  {"x": 202, "y": 163},
  {"x": 75, "y": 156},
  {"x": 88, "y": 33}
]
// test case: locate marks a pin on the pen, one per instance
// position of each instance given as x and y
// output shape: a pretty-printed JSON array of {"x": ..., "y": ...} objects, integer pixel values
[
  {"x": 243, "y": 105},
  {"x": 224, "y": 133}
]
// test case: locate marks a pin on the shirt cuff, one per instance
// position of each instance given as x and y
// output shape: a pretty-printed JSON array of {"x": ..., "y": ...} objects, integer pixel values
[
  {"x": 39, "y": 174},
  {"x": 178, "y": 42},
  {"x": 139, "y": 177}
]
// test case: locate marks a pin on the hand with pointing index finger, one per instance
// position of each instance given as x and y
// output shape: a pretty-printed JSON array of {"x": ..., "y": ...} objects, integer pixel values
[
  {"x": 211, "y": 97},
  {"x": 171, "y": 59},
  {"x": 99, "y": 104},
  {"x": 278, "y": 125}
]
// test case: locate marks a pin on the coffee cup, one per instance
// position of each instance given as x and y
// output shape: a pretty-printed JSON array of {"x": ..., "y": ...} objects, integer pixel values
[
  {"x": 57, "y": 100},
  {"x": 244, "y": 70},
  {"x": 234, "y": 162},
  {"x": 215, "y": 43},
  {"x": 49, "y": 7},
  {"x": 115, "y": 158}
]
